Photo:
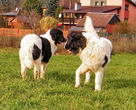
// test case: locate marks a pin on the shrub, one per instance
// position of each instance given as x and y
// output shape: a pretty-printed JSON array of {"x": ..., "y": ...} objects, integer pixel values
[
  {"x": 57, "y": 12},
  {"x": 124, "y": 28},
  {"x": 52, "y": 6},
  {"x": 123, "y": 44},
  {"x": 32, "y": 5},
  {"x": 124, "y": 37},
  {"x": 47, "y": 23}
]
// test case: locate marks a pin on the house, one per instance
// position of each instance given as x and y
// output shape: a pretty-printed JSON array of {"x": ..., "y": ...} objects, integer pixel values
[
  {"x": 104, "y": 2},
  {"x": 85, "y": 3},
  {"x": 101, "y": 2},
  {"x": 103, "y": 22},
  {"x": 72, "y": 16},
  {"x": 21, "y": 22},
  {"x": 128, "y": 11},
  {"x": 125, "y": 9},
  {"x": 15, "y": 20},
  {"x": 9, "y": 16}
]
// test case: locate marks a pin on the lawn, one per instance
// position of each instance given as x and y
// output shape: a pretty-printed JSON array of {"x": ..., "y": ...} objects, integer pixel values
[{"x": 57, "y": 91}]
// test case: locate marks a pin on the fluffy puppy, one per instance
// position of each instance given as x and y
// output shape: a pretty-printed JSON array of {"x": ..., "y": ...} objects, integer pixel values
[
  {"x": 94, "y": 52},
  {"x": 37, "y": 50}
]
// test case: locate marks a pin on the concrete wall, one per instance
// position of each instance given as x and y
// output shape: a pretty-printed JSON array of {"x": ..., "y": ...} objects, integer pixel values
[
  {"x": 114, "y": 2},
  {"x": 107, "y": 2},
  {"x": 85, "y": 2}
]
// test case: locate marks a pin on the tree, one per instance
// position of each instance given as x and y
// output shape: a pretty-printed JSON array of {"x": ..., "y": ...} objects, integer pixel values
[
  {"x": 52, "y": 6},
  {"x": 32, "y": 5},
  {"x": 8, "y": 5},
  {"x": 32, "y": 9}
]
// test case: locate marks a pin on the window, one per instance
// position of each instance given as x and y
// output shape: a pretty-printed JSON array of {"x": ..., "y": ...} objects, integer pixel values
[
  {"x": 102, "y": 3},
  {"x": 96, "y": 3},
  {"x": 126, "y": 7}
]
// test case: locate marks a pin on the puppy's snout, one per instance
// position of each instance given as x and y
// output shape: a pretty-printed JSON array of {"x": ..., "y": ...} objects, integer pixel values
[
  {"x": 64, "y": 40},
  {"x": 67, "y": 46}
]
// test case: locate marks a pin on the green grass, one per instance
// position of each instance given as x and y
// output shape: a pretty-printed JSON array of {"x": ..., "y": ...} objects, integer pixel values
[{"x": 57, "y": 91}]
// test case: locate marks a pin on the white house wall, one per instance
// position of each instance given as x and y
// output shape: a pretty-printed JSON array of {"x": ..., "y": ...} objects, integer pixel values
[
  {"x": 85, "y": 2},
  {"x": 114, "y": 2}
]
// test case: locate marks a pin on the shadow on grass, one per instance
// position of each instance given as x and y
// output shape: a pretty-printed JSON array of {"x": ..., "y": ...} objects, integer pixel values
[
  {"x": 60, "y": 92},
  {"x": 58, "y": 76},
  {"x": 69, "y": 78},
  {"x": 122, "y": 83}
]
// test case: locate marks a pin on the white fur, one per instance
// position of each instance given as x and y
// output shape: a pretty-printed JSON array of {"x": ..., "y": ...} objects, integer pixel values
[
  {"x": 25, "y": 54},
  {"x": 92, "y": 56}
]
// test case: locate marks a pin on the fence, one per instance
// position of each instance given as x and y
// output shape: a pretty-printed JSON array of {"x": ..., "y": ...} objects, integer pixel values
[
  {"x": 104, "y": 34},
  {"x": 14, "y": 32}
]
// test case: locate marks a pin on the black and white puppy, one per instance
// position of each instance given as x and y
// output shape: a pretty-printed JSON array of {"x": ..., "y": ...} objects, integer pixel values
[
  {"x": 94, "y": 53},
  {"x": 37, "y": 50}
]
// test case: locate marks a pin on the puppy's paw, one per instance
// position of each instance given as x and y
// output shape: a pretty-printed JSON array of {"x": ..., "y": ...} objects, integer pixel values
[
  {"x": 86, "y": 82},
  {"x": 77, "y": 86},
  {"x": 97, "y": 90},
  {"x": 42, "y": 78}
]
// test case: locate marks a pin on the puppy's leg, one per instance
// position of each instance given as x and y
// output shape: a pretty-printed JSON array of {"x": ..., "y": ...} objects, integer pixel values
[
  {"x": 43, "y": 69},
  {"x": 23, "y": 67},
  {"x": 82, "y": 69},
  {"x": 98, "y": 79},
  {"x": 87, "y": 77},
  {"x": 37, "y": 65},
  {"x": 23, "y": 70}
]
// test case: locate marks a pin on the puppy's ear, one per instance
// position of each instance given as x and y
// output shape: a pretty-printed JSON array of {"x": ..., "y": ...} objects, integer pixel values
[
  {"x": 76, "y": 35},
  {"x": 54, "y": 33}
]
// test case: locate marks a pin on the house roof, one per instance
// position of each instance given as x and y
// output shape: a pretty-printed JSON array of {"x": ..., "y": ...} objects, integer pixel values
[
  {"x": 100, "y": 19},
  {"x": 132, "y": 2},
  {"x": 85, "y": 9}
]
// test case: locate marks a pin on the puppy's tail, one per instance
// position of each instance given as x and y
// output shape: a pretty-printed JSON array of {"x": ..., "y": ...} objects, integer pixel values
[
  {"x": 28, "y": 59},
  {"x": 88, "y": 26},
  {"x": 26, "y": 55}
]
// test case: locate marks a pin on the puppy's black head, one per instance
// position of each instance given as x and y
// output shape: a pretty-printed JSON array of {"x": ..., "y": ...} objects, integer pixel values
[
  {"x": 75, "y": 42},
  {"x": 57, "y": 36}
]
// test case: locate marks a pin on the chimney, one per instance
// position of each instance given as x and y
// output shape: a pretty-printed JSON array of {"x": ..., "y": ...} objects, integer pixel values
[{"x": 77, "y": 6}]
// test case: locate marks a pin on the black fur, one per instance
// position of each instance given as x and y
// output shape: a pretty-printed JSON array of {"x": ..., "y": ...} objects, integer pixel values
[
  {"x": 36, "y": 52},
  {"x": 106, "y": 61},
  {"x": 75, "y": 42},
  {"x": 57, "y": 36},
  {"x": 46, "y": 50}
]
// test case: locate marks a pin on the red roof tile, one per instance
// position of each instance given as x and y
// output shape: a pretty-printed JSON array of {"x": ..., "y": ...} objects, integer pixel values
[{"x": 99, "y": 19}]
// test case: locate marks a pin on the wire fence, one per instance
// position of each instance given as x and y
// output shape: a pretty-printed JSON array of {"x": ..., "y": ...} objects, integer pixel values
[{"x": 104, "y": 34}]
